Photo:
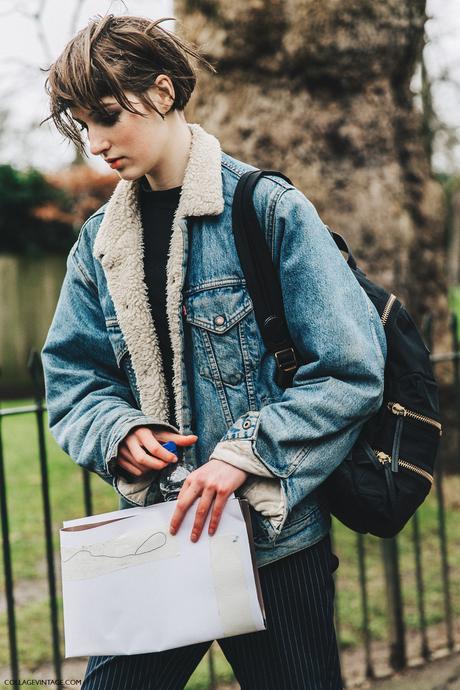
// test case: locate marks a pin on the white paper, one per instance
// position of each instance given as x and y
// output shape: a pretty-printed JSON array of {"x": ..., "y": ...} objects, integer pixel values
[{"x": 131, "y": 587}]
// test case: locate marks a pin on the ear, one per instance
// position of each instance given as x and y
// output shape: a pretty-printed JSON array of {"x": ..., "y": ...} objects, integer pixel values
[{"x": 165, "y": 92}]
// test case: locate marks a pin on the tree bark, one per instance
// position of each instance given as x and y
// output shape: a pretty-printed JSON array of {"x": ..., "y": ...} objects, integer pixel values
[{"x": 321, "y": 91}]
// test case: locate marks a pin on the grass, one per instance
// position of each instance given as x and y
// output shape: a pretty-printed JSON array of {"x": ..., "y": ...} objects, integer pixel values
[
  {"x": 222, "y": 670},
  {"x": 454, "y": 305},
  {"x": 25, "y": 513},
  {"x": 24, "y": 496},
  {"x": 348, "y": 600}
]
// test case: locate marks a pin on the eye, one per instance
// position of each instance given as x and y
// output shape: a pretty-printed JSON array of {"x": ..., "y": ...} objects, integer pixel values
[{"x": 107, "y": 119}]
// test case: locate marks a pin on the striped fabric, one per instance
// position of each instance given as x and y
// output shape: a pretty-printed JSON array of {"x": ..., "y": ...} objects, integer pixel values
[{"x": 298, "y": 651}]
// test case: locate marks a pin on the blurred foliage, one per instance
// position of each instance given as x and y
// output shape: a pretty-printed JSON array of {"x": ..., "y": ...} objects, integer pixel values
[
  {"x": 87, "y": 189},
  {"x": 450, "y": 184},
  {"x": 25, "y": 227},
  {"x": 42, "y": 214},
  {"x": 454, "y": 306}
]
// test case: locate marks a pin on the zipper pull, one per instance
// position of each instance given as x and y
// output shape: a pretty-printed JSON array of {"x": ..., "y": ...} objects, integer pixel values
[
  {"x": 396, "y": 443},
  {"x": 396, "y": 408},
  {"x": 382, "y": 457}
]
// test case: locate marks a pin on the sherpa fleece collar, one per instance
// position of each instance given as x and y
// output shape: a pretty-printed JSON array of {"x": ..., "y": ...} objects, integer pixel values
[{"x": 119, "y": 248}]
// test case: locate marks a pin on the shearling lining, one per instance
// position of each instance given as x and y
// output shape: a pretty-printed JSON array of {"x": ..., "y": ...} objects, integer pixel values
[{"x": 119, "y": 248}]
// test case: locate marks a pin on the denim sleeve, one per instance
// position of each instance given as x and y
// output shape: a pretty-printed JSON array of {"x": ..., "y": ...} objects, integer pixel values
[
  {"x": 302, "y": 437},
  {"x": 90, "y": 405}
]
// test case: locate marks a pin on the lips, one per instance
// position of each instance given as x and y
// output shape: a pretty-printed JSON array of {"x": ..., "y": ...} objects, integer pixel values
[{"x": 114, "y": 163}]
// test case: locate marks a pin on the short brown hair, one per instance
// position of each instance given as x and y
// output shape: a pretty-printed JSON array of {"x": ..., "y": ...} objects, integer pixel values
[{"x": 113, "y": 55}]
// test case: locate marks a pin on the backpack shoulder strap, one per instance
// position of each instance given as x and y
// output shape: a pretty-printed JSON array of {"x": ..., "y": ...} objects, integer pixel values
[
  {"x": 343, "y": 246},
  {"x": 261, "y": 277}
]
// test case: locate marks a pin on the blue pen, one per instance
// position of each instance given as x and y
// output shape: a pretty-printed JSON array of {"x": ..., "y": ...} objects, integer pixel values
[
  {"x": 171, "y": 446},
  {"x": 173, "y": 475}
]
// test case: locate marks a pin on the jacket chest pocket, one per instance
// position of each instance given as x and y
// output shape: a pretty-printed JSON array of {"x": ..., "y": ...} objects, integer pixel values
[{"x": 224, "y": 333}]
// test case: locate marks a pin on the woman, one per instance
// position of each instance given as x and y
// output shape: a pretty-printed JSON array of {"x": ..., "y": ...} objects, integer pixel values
[{"x": 154, "y": 339}]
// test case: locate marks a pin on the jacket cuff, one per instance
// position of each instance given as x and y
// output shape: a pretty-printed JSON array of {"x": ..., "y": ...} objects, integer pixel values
[
  {"x": 262, "y": 490},
  {"x": 267, "y": 498},
  {"x": 245, "y": 428},
  {"x": 124, "y": 429},
  {"x": 135, "y": 491},
  {"x": 240, "y": 454}
]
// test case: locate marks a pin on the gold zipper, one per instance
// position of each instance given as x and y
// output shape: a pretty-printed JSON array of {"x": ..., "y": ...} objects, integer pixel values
[
  {"x": 383, "y": 458},
  {"x": 398, "y": 409},
  {"x": 387, "y": 309}
]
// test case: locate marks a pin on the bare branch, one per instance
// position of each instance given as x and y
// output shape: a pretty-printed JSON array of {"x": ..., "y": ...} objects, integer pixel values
[
  {"x": 19, "y": 62},
  {"x": 75, "y": 17},
  {"x": 9, "y": 92},
  {"x": 5, "y": 13},
  {"x": 42, "y": 37},
  {"x": 16, "y": 9},
  {"x": 114, "y": 2},
  {"x": 23, "y": 10}
]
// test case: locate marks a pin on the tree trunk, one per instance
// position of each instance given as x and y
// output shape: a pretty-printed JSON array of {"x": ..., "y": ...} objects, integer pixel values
[{"x": 320, "y": 89}]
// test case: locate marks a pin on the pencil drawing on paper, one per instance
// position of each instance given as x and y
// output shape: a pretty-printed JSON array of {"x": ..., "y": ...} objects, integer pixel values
[
  {"x": 133, "y": 548},
  {"x": 147, "y": 546}
]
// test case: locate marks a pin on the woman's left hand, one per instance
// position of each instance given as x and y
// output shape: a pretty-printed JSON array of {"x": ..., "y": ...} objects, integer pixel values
[{"x": 214, "y": 482}]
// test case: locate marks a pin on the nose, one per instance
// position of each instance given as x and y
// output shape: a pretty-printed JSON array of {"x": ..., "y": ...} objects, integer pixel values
[{"x": 98, "y": 142}]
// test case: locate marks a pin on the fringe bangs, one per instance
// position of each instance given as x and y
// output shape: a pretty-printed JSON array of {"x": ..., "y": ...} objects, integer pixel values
[{"x": 111, "y": 56}]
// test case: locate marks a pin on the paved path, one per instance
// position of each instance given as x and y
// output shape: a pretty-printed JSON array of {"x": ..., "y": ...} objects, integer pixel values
[{"x": 441, "y": 674}]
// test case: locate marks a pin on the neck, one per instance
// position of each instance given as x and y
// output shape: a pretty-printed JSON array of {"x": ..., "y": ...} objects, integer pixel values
[{"x": 172, "y": 169}]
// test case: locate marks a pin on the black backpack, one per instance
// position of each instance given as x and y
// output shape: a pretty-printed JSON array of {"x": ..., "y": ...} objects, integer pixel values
[{"x": 389, "y": 470}]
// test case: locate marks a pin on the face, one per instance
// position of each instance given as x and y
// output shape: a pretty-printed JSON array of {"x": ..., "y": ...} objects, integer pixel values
[{"x": 133, "y": 145}]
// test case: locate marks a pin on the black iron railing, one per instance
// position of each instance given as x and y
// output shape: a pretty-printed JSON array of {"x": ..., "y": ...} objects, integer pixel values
[{"x": 397, "y": 656}]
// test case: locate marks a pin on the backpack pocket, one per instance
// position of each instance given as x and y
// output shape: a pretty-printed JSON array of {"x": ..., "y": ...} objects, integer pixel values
[{"x": 367, "y": 495}]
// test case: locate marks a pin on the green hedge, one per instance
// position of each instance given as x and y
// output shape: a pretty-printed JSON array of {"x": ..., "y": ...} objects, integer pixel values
[{"x": 23, "y": 230}]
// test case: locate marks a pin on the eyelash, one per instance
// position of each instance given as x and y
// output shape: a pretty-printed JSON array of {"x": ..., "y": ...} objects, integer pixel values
[{"x": 106, "y": 120}]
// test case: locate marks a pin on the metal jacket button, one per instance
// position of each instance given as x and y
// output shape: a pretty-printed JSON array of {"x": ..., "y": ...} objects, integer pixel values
[{"x": 219, "y": 320}]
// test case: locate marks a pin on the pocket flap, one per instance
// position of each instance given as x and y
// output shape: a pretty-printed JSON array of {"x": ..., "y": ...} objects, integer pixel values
[{"x": 217, "y": 309}]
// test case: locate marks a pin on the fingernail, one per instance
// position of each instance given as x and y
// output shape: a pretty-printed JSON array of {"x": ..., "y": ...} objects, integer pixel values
[
  {"x": 211, "y": 532},
  {"x": 194, "y": 536},
  {"x": 172, "y": 530}
]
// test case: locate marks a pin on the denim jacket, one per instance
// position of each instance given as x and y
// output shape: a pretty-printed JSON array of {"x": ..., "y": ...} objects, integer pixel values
[{"x": 103, "y": 366}]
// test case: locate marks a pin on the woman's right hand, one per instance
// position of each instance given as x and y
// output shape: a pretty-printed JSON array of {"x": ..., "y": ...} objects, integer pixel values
[{"x": 141, "y": 450}]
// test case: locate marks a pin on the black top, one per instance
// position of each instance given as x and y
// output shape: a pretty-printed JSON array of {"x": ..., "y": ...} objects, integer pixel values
[{"x": 157, "y": 214}]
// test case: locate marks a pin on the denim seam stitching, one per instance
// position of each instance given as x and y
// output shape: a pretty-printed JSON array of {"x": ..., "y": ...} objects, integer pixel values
[
  {"x": 217, "y": 380},
  {"x": 300, "y": 456},
  {"x": 372, "y": 328},
  {"x": 271, "y": 229},
  {"x": 86, "y": 279},
  {"x": 239, "y": 316},
  {"x": 239, "y": 172},
  {"x": 211, "y": 284},
  {"x": 248, "y": 367}
]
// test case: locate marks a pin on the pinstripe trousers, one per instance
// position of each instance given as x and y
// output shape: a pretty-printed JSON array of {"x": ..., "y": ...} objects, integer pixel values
[{"x": 297, "y": 651}]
